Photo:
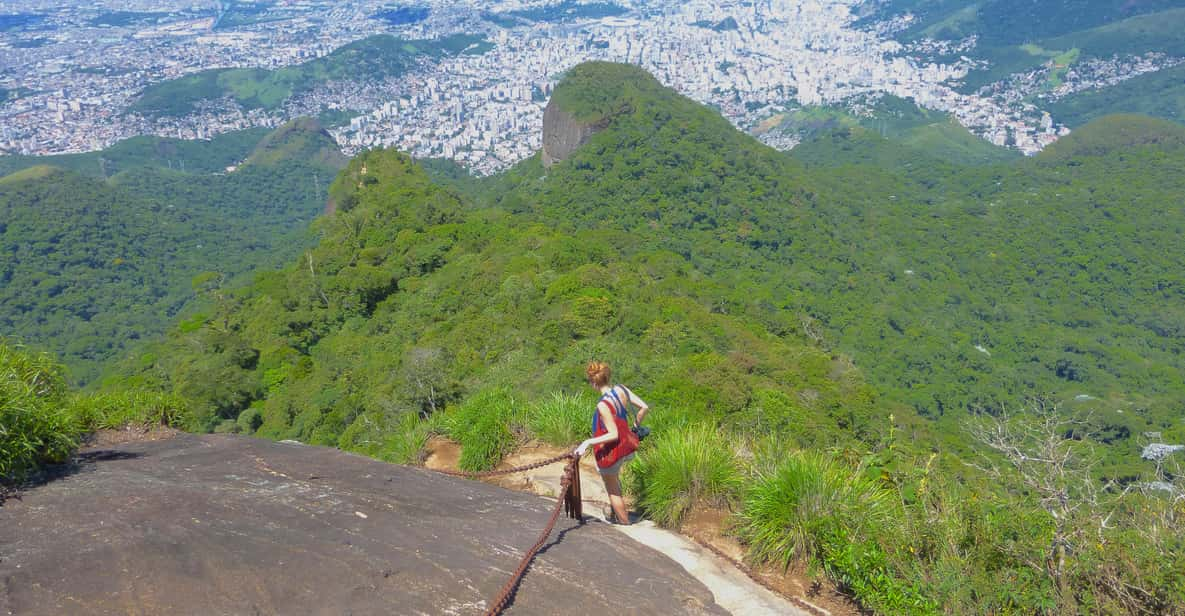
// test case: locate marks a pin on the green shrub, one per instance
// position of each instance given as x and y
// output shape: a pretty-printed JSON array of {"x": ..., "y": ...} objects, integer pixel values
[
  {"x": 35, "y": 425},
  {"x": 812, "y": 507},
  {"x": 117, "y": 409},
  {"x": 250, "y": 420},
  {"x": 483, "y": 426},
  {"x": 682, "y": 467},
  {"x": 561, "y": 419}
]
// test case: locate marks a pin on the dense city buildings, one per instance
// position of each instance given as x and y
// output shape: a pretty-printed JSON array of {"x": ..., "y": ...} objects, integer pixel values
[{"x": 71, "y": 75}]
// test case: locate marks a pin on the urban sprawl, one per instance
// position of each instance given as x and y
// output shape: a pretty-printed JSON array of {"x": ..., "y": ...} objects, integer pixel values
[{"x": 71, "y": 73}]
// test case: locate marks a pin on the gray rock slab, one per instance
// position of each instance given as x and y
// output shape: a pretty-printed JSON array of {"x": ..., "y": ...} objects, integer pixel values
[{"x": 217, "y": 524}]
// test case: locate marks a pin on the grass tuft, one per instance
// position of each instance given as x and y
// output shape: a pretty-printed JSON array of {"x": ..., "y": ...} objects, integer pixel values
[
  {"x": 117, "y": 409},
  {"x": 682, "y": 467},
  {"x": 483, "y": 426},
  {"x": 562, "y": 419}
]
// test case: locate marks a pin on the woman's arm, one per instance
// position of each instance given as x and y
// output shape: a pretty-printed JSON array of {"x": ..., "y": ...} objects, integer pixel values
[
  {"x": 610, "y": 426},
  {"x": 643, "y": 408}
]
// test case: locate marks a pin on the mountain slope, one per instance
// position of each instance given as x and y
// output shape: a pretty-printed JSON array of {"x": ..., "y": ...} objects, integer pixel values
[
  {"x": 789, "y": 323},
  {"x": 1033, "y": 261},
  {"x": 196, "y": 156},
  {"x": 91, "y": 266}
]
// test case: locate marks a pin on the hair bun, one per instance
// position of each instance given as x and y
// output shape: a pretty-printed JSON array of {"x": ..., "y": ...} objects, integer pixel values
[{"x": 598, "y": 373}]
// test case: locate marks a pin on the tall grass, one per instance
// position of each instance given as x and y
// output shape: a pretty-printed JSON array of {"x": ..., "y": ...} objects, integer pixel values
[
  {"x": 810, "y": 506},
  {"x": 560, "y": 419},
  {"x": 485, "y": 426},
  {"x": 118, "y": 409},
  {"x": 35, "y": 425},
  {"x": 397, "y": 437},
  {"x": 684, "y": 466}
]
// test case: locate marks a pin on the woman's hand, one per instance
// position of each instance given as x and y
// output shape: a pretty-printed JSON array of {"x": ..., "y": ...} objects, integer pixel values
[{"x": 581, "y": 449}]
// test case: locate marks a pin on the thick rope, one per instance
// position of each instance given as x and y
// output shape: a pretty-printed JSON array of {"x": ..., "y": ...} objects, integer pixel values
[
  {"x": 569, "y": 501},
  {"x": 507, "y": 471}
]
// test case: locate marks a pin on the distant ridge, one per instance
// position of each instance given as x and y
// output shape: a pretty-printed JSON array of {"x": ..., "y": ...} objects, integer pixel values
[
  {"x": 303, "y": 137},
  {"x": 1116, "y": 132},
  {"x": 35, "y": 172}
]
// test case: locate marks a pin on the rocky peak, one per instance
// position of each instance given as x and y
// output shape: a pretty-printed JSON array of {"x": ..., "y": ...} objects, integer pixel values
[{"x": 562, "y": 133}]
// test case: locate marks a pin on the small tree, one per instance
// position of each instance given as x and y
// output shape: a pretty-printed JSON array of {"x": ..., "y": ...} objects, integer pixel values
[
  {"x": 1045, "y": 451},
  {"x": 425, "y": 370}
]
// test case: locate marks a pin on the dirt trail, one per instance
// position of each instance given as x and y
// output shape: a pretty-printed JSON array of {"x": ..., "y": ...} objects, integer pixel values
[{"x": 732, "y": 588}]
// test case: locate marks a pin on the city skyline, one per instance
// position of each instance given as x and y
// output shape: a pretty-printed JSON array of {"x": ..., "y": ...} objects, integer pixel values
[{"x": 72, "y": 73}]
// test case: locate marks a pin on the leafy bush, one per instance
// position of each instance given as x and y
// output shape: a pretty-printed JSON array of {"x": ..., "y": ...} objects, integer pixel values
[
  {"x": 682, "y": 467},
  {"x": 35, "y": 425},
  {"x": 561, "y": 419}
]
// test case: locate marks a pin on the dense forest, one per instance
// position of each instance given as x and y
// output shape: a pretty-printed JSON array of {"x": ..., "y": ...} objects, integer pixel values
[
  {"x": 930, "y": 376},
  {"x": 91, "y": 265}
]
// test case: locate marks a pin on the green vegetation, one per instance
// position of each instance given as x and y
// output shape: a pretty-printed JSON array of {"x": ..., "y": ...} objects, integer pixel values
[
  {"x": 41, "y": 422},
  {"x": 810, "y": 504},
  {"x": 376, "y": 57},
  {"x": 35, "y": 427},
  {"x": 1013, "y": 35},
  {"x": 1000, "y": 23},
  {"x": 29, "y": 43},
  {"x": 560, "y": 419},
  {"x": 567, "y": 10},
  {"x": 126, "y": 18},
  {"x": 927, "y": 378},
  {"x": 915, "y": 134},
  {"x": 1160, "y": 94},
  {"x": 688, "y": 465},
  {"x": 91, "y": 266},
  {"x": 483, "y": 425},
  {"x": 212, "y": 156}
]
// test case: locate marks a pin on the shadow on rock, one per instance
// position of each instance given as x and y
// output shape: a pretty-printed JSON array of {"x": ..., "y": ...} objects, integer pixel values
[{"x": 81, "y": 463}]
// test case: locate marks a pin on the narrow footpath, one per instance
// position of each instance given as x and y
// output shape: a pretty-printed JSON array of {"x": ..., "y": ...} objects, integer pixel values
[{"x": 732, "y": 589}]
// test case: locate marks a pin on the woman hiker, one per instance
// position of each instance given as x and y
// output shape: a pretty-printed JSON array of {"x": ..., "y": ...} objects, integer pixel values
[{"x": 610, "y": 421}]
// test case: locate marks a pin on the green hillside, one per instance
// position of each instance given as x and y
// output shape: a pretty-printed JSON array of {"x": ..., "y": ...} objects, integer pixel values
[
  {"x": 1160, "y": 94},
  {"x": 1013, "y": 22},
  {"x": 822, "y": 339},
  {"x": 194, "y": 156},
  {"x": 91, "y": 267},
  {"x": 374, "y": 58},
  {"x": 909, "y": 133}
]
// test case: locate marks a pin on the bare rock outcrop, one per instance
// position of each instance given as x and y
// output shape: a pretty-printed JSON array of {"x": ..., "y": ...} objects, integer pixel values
[
  {"x": 563, "y": 133},
  {"x": 219, "y": 524}
]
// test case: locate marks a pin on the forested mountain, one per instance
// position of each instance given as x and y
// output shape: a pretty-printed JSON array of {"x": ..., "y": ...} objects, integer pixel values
[
  {"x": 956, "y": 290},
  {"x": 847, "y": 299},
  {"x": 91, "y": 265},
  {"x": 193, "y": 156}
]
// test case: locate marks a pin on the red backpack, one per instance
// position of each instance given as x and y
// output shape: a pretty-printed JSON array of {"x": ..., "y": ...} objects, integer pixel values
[{"x": 608, "y": 454}]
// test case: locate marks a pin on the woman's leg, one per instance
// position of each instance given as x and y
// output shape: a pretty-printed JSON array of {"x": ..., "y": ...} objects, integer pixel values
[{"x": 613, "y": 487}]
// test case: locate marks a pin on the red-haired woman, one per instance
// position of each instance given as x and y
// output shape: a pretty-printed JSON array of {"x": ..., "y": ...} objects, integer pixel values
[{"x": 614, "y": 403}]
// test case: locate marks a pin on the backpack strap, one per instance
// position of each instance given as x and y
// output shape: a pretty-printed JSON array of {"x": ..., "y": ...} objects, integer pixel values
[
  {"x": 622, "y": 410},
  {"x": 619, "y": 408},
  {"x": 596, "y": 418}
]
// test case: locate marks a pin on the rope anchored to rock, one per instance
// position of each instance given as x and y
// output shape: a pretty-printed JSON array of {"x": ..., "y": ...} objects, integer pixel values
[{"x": 569, "y": 502}]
